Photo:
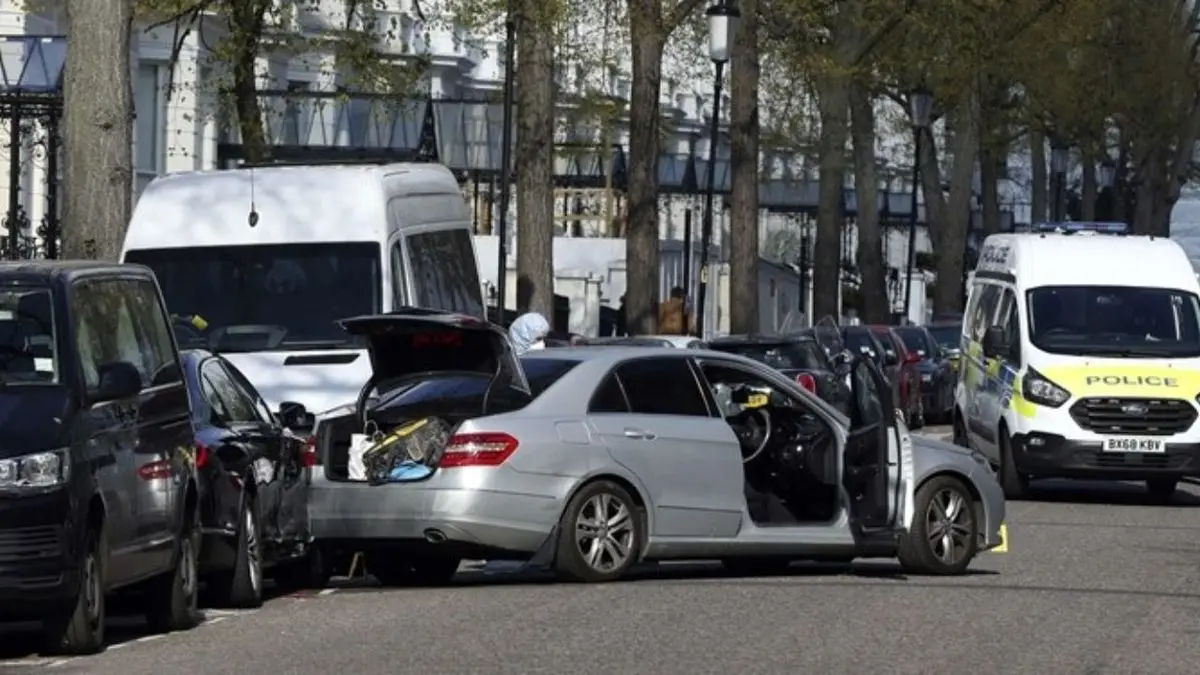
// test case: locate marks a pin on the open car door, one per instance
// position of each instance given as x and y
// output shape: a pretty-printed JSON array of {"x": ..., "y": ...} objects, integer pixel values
[{"x": 872, "y": 470}]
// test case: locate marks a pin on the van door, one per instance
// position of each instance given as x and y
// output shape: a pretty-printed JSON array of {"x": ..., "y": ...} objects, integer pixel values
[
  {"x": 975, "y": 367},
  {"x": 871, "y": 464},
  {"x": 1001, "y": 374}
]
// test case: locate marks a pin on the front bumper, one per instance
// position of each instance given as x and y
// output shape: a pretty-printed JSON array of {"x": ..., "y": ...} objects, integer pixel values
[
  {"x": 39, "y": 564},
  {"x": 1054, "y": 456},
  {"x": 467, "y": 509}
]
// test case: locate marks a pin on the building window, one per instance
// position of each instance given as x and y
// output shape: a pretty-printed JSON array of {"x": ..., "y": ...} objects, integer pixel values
[
  {"x": 297, "y": 117},
  {"x": 149, "y": 105}
]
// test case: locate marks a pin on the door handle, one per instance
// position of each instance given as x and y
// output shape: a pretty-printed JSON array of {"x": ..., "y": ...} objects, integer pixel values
[{"x": 640, "y": 434}]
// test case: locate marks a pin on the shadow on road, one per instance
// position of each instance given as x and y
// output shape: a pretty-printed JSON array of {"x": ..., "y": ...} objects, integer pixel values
[
  {"x": 21, "y": 644},
  {"x": 1117, "y": 493}
]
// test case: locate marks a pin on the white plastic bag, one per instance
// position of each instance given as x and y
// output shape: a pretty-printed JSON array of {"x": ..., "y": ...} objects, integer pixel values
[{"x": 358, "y": 445}]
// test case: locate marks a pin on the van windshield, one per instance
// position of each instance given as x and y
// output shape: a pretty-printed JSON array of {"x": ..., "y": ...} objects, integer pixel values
[
  {"x": 266, "y": 297},
  {"x": 1118, "y": 321},
  {"x": 27, "y": 336}
]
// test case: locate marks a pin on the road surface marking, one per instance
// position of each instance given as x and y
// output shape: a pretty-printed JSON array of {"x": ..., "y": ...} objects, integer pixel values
[
  {"x": 327, "y": 591},
  {"x": 1003, "y": 547}
]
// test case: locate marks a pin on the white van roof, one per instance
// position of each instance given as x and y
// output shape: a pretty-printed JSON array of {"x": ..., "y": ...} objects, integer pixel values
[
  {"x": 295, "y": 204},
  {"x": 1054, "y": 259}
]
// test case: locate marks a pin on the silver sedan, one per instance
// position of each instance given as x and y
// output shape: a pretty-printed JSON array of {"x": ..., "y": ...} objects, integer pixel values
[{"x": 589, "y": 460}]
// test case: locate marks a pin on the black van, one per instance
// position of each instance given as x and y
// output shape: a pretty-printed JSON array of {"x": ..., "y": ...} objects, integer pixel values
[{"x": 97, "y": 487}]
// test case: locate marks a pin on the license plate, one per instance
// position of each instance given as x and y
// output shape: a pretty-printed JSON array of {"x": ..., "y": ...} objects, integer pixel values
[{"x": 1134, "y": 444}]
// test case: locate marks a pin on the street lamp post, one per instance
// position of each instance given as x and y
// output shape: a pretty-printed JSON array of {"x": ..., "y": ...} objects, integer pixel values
[
  {"x": 920, "y": 109},
  {"x": 1059, "y": 157},
  {"x": 505, "y": 166},
  {"x": 721, "y": 24}
]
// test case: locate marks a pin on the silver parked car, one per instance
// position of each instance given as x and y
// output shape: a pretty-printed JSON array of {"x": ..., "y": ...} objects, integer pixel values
[{"x": 590, "y": 460}]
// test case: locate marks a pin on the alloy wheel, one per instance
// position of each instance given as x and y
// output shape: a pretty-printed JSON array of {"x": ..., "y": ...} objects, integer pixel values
[
  {"x": 253, "y": 559},
  {"x": 604, "y": 532},
  {"x": 949, "y": 525}
]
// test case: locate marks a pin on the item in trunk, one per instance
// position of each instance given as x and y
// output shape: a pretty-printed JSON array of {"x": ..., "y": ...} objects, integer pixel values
[{"x": 408, "y": 453}]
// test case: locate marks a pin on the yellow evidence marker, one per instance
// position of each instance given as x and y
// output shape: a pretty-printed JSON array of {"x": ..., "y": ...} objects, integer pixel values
[{"x": 1003, "y": 547}]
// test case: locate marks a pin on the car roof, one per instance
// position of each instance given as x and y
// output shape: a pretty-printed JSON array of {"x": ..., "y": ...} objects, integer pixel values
[
  {"x": 64, "y": 270},
  {"x": 762, "y": 338}
]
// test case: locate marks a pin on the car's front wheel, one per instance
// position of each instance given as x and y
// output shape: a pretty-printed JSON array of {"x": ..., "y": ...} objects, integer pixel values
[
  {"x": 79, "y": 628},
  {"x": 242, "y": 586},
  {"x": 945, "y": 533},
  {"x": 600, "y": 534}
]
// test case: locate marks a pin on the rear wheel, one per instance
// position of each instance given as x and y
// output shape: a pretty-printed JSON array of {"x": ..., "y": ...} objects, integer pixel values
[
  {"x": 172, "y": 600},
  {"x": 242, "y": 586},
  {"x": 945, "y": 535},
  {"x": 1162, "y": 489},
  {"x": 1015, "y": 483},
  {"x": 79, "y": 628},
  {"x": 422, "y": 571},
  {"x": 600, "y": 534}
]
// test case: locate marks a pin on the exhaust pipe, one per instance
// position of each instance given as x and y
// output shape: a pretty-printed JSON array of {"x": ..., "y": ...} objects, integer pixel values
[{"x": 435, "y": 536}]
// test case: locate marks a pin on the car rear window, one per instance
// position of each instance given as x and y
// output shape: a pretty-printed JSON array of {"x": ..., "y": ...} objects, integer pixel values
[
  {"x": 780, "y": 356},
  {"x": 463, "y": 394}
]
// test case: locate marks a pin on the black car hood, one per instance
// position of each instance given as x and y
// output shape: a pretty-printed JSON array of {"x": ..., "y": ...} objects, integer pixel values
[{"x": 32, "y": 418}]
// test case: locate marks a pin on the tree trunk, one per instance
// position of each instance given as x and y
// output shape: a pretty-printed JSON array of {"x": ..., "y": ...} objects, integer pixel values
[
  {"x": 534, "y": 158},
  {"x": 97, "y": 129},
  {"x": 875, "y": 305},
  {"x": 1037, "y": 161},
  {"x": 948, "y": 217},
  {"x": 245, "y": 35},
  {"x": 833, "y": 104},
  {"x": 989, "y": 180},
  {"x": 1088, "y": 195},
  {"x": 744, "y": 130},
  {"x": 641, "y": 236}
]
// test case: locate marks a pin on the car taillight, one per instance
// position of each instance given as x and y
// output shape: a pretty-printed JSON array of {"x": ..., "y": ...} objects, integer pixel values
[
  {"x": 308, "y": 452},
  {"x": 202, "y": 455},
  {"x": 807, "y": 381},
  {"x": 479, "y": 449}
]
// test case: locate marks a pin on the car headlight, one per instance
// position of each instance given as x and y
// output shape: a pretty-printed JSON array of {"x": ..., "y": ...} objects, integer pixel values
[
  {"x": 37, "y": 470},
  {"x": 1037, "y": 389}
]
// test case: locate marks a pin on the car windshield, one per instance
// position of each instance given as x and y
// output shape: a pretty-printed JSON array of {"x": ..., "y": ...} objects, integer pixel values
[
  {"x": 266, "y": 297},
  {"x": 803, "y": 355},
  {"x": 27, "y": 337},
  {"x": 860, "y": 341},
  {"x": 915, "y": 340},
  {"x": 948, "y": 336},
  {"x": 1120, "y": 321}
]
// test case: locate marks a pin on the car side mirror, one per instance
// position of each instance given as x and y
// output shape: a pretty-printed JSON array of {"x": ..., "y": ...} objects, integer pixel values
[
  {"x": 890, "y": 358},
  {"x": 119, "y": 379},
  {"x": 994, "y": 342},
  {"x": 293, "y": 415}
]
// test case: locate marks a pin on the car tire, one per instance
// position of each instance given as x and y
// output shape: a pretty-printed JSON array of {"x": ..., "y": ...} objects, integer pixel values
[
  {"x": 79, "y": 629},
  {"x": 756, "y": 566},
  {"x": 916, "y": 419},
  {"x": 242, "y": 587},
  {"x": 925, "y": 549},
  {"x": 1014, "y": 483},
  {"x": 1162, "y": 489},
  {"x": 312, "y": 570},
  {"x": 437, "y": 570},
  {"x": 173, "y": 599},
  {"x": 612, "y": 520}
]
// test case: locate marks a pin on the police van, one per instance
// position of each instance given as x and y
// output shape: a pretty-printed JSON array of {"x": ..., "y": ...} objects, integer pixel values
[{"x": 1081, "y": 358}]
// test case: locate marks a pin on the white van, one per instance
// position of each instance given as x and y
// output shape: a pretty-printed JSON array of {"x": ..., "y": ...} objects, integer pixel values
[
  {"x": 258, "y": 264},
  {"x": 1081, "y": 359}
]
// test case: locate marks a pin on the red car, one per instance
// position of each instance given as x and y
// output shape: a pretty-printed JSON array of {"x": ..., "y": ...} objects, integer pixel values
[{"x": 900, "y": 365}]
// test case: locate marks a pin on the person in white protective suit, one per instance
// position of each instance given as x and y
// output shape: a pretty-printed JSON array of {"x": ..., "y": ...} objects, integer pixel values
[{"x": 529, "y": 332}]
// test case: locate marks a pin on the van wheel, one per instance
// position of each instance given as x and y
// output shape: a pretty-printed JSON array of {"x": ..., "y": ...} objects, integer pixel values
[
  {"x": 242, "y": 587},
  {"x": 310, "y": 571},
  {"x": 172, "y": 599},
  {"x": 945, "y": 535},
  {"x": 1014, "y": 483},
  {"x": 599, "y": 534},
  {"x": 79, "y": 629}
]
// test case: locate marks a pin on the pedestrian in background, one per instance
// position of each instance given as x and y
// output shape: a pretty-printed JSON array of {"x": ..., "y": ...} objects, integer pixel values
[
  {"x": 672, "y": 314},
  {"x": 529, "y": 332}
]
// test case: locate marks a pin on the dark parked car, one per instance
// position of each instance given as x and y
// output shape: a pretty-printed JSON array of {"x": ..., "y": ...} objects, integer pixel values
[
  {"x": 253, "y": 485},
  {"x": 901, "y": 369},
  {"x": 97, "y": 471},
  {"x": 936, "y": 373},
  {"x": 949, "y": 337},
  {"x": 798, "y": 356},
  {"x": 861, "y": 340}
]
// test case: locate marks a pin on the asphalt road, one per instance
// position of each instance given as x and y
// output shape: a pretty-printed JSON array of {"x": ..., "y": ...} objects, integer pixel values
[{"x": 1096, "y": 580}]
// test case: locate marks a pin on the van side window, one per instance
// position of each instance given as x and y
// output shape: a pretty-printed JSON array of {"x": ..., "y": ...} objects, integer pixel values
[
  {"x": 399, "y": 290},
  {"x": 984, "y": 310},
  {"x": 444, "y": 271},
  {"x": 105, "y": 329},
  {"x": 154, "y": 334},
  {"x": 1009, "y": 317}
]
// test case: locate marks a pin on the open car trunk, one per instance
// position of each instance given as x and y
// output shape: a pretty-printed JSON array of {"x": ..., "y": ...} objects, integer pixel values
[{"x": 430, "y": 371}]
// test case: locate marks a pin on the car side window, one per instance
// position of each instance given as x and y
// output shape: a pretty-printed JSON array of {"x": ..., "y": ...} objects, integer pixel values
[
  {"x": 231, "y": 406},
  {"x": 662, "y": 386},
  {"x": 154, "y": 333},
  {"x": 609, "y": 397},
  {"x": 867, "y": 408},
  {"x": 261, "y": 409}
]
